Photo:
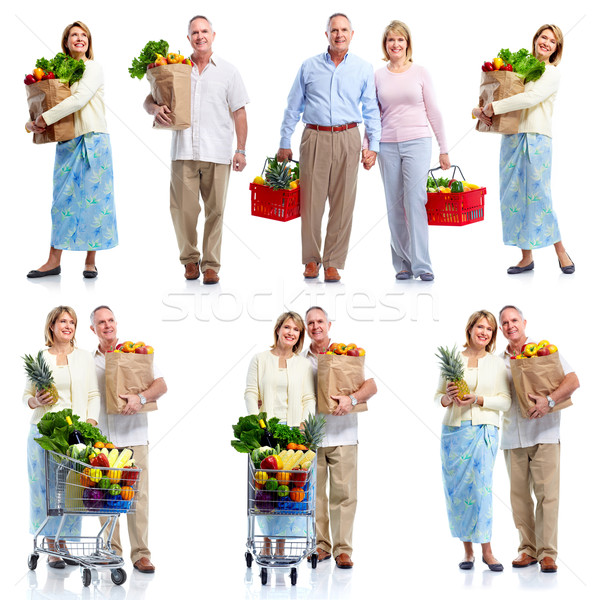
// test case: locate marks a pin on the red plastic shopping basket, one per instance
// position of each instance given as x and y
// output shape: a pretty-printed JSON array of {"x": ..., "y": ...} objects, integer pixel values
[
  {"x": 278, "y": 205},
  {"x": 455, "y": 210}
]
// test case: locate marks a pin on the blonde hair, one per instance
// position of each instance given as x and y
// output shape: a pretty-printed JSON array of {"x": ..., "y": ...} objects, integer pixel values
[
  {"x": 556, "y": 56},
  {"x": 51, "y": 319},
  {"x": 297, "y": 319},
  {"x": 474, "y": 319},
  {"x": 399, "y": 28},
  {"x": 65, "y": 36}
]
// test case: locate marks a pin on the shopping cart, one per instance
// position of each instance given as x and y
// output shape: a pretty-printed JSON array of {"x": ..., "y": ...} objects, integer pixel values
[
  {"x": 281, "y": 526},
  {"x": 76, "y": 488}
]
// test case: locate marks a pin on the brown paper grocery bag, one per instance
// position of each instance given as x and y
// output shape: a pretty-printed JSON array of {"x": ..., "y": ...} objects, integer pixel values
[
  {"x": 170, "y": 85},
  {"x": 127, "y": 373},
  {"x": 540, "y": 376},
  {"x": 338, "y": 375},
  {"x": 497, "y": 85},
  {"x": 42, "y": 96}
]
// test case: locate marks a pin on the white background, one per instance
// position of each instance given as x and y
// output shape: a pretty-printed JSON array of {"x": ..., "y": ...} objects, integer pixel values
[{"x": 204, "y": 336}]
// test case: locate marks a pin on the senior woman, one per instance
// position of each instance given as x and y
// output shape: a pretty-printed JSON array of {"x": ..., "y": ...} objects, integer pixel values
[
  {"x": 407, "y": 104},
  {"x": 83, "y": 211},
  {"x": 280, "y": 382},
  {"x": 470, "y": 438},
  {"x": 74, "y": 376},
  {"x": 528, "y": 220}
]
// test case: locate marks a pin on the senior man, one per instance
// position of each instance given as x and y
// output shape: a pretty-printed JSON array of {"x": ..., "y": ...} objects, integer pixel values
[
  {"x": 532, "y": 451},
  {"x": 130, "y": 429},
  {"x": 337, "y": 457},
  {"x": 201, "y": 155},
  {"x": 328, "y": 92}
]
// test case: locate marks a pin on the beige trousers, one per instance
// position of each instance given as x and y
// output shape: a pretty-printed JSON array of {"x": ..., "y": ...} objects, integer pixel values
[
  {"x": 328, "y": 169},
  {"x": 336, "y": 512},
  {"x": 191, "y": 179},
  {"x": 137, "y": 522},
  {"x": 535, "y": 469}
]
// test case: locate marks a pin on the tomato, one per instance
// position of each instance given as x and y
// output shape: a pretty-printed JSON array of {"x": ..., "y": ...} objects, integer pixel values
[{"x": 38, "y": 73}]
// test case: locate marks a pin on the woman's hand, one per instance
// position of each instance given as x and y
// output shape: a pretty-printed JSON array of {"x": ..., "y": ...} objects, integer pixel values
[
  {"x": 488, "y": 110},
  {"x": 368, "y": 158},
  {"x": 467, "y": 400},
  {"x": 32, "y": 127},
  {"x": 445, "y": 162},
  {"x": 479, "y": 113},
  {"x": 41, "y": 398}
]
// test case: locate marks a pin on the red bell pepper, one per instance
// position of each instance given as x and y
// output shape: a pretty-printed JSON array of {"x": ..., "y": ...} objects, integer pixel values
[{"x": 270, "y": 462}]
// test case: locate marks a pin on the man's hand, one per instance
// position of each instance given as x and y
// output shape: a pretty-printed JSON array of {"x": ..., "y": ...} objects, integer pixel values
[
  {"x": 284, "y": 154},
  {"x": 133, "y": 405},
  {"x": 161, "y": 114},
  {"x": 344, "y": 405},
  {"x": 368, "y": 158},
  {"x": 540, "y": 409},
  {"x": 239, "y": 162}
]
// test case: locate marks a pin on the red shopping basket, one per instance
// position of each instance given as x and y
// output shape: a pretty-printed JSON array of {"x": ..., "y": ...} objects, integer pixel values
[
  {"x": 455, "y": 210},
  {"x": 277, "y": 205}
]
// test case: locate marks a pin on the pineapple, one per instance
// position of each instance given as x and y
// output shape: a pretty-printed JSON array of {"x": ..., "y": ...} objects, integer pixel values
[
  {"x": 39, "y": 373},
  {"x": 453, "y": 369},
  {"x": 314, "y": 431},
  {"x": 278, "y": 176}
]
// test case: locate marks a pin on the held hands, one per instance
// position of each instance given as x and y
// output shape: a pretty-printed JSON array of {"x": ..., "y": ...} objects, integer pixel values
[
  {"x": 540, "y": 409},
  {"x": 368, "y": 158},
  {"x": 344, "y": 405},
  {"x": 239, "y": 162},
  {"x": 133, "y": 405},
  {"x": 284, "y": 154}
]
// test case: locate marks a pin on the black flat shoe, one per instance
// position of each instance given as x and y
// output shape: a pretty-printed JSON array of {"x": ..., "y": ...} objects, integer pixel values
[
  {"x": 569, "y": 269},
  {"x": 466, "y": 565},
  {"x": 36, "y": 274},
  {"x": 517, "y": 270},
  {"x": 91, "y": 274},
  {"x": 494, "y": 566},
  {"x": 57, "y": 564}
]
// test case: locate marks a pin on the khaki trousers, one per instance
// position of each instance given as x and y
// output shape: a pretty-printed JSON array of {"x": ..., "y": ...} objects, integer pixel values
[
  {"x": 535, "y": 469},
  {"x": 191, "y": 179},
  {"x": 336, "y": 512},
  {"x": 137, "y": 522},
  {"x": 328, "y": 169}
]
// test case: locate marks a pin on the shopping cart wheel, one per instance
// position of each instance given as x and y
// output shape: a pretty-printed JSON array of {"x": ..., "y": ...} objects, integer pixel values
[
  {"x": 263, "y": 576},
  {"x": 32, "y": 561},
  {"x": 86, "y": 577},
  {"x": 294, "y": 576},
  {"x": 118, "y": 576},
  {"x": 248, "y": 559},
  {"x": 314, "y": 560}
]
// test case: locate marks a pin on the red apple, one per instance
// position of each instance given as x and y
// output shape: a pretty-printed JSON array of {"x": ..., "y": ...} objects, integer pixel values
[
  {"x": 545, "y": 351},
  {"x": 353, "y": 352},
  {"x": 141, "y": 350}
]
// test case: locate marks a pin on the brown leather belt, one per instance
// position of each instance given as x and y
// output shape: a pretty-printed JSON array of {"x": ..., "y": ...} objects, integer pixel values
[{"x": 331, "y": 128}]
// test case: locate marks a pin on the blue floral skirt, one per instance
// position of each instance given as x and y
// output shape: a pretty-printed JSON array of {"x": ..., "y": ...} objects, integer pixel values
[
  {"x": 83, "y": 209},
  {"x": 528, "y": 220},
  {"x": 468, "y": 456}
]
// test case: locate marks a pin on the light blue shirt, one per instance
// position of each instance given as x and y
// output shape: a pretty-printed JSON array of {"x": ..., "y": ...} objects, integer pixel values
[{"x": 328, "y": 95}]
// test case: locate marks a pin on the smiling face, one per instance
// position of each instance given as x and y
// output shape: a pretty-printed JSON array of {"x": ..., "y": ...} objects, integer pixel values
[
  {"x": 396, "y": 45},
  {"x": 481, "y": 334},
  {"x": 63, "y": 329},
  {"x": 105, "y": 327},
  {"x": 77, "y": 42},
  {"x": 317, "y": 327},
  {"x": 201, "y": 36},
  {"x": 288, "y": 335},
  {"x": 545, "y": 45},
  {"x": 513, "y": 327},
  {"x": 339, "y": 34}
]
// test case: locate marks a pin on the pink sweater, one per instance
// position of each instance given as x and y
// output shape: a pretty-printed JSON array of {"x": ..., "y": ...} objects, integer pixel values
[{"x": 407, "y": 103}]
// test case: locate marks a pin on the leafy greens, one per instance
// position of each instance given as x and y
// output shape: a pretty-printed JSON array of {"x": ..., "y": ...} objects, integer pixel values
[
  {"x": 147, "y": 56},
  {"x": 523, "y": 63},
  {"x": 66, "y": 68},
  {"x": 55, "y": 431}
]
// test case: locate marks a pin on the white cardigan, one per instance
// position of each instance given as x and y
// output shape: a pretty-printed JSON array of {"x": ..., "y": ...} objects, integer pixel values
[
  {"x": 492, "y": 384},
  {"x": 261, "y": 385}
]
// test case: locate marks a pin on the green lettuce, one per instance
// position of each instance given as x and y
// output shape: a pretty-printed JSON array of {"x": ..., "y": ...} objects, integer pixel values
[
  {"x": 147, "y": 56},
  {"x": 66, "y": 68},
  {"x": 524, "y": 64}
]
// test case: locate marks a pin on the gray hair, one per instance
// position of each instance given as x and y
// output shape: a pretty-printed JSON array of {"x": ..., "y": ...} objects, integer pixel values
[
  {"x": 200, "y": 17},
  {"x": 514, "y": 308},
  {"x": 338, "y": 14},
  {"x": 93, "y": 313},
  {"x": 317, "y": 308}
]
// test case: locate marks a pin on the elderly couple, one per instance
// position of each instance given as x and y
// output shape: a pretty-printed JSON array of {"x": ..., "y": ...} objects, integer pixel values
[
  {"x": 531, "y": 446},
  {"x": 282, "y": 382},
  {"x": 79, "y": 377}
]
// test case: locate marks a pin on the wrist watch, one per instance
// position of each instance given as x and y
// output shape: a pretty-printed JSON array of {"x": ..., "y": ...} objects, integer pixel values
[
  {"x": 142, "y": 399},
  {"x": 551, "y": 403},
  {"x": 353, "y": 399},
  {"x": 238, "y": 151}
]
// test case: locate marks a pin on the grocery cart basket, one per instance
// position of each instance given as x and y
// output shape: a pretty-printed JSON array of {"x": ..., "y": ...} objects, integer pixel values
[
  {"x": 277, "y": 205},
  {"x": 76, "y": 488},
  {"x": 281, "y": 519}
]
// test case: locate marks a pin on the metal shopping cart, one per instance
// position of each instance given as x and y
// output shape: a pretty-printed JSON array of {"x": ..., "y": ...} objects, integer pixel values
[
  {"x": 76, "y": 488},
  {"x": 281, "y": 523}
]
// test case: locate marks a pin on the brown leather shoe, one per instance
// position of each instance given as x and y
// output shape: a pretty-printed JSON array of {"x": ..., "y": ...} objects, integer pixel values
[
  {"x": 192, "y": 271},
  {"x": 343, "y": 561},
  {"x": 547, "y": 565},
  {"x": 331, "y": 274},
  {"x": 523, "y": 560},
  {"x": 311, "y": 270},
  {"x": 210, "y": 277},
  {"x": 144, "y": 565}
]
